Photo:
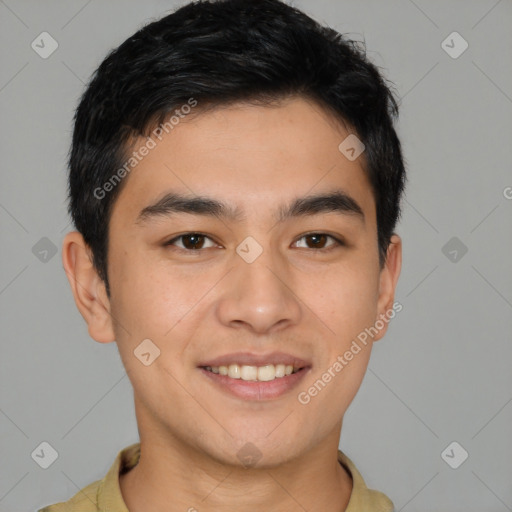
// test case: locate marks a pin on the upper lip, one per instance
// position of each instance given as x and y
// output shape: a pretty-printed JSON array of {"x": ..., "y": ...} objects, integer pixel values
[{"x": 250, "y": 359}]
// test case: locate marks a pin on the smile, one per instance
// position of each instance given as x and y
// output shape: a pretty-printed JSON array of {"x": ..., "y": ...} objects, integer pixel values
[{"x": 263, "y": 373}]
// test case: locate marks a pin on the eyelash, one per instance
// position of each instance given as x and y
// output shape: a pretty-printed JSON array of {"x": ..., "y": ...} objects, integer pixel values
[{"x": 338, "y": 242}]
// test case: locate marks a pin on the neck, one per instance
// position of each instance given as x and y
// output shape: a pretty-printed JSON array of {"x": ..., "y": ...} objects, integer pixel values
[{"x": 173, "y": 477}]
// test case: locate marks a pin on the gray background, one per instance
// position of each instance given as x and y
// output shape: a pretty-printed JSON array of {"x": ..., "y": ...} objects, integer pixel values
[{"x": 441, "y": 374}]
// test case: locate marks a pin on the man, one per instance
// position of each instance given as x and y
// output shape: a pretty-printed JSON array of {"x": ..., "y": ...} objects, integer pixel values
[{"x": 235, "y": 181}]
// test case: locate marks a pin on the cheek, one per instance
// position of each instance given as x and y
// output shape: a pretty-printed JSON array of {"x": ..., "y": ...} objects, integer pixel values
[
  {"x": 147, "y": 299},
  {"x": 349, "y": 299},
  {"x": 149, "y": 304},
  {"x": 345, "y": 299}
]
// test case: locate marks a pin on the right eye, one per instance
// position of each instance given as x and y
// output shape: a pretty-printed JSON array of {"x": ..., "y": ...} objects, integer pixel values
[{"x": 191, "y": 241}]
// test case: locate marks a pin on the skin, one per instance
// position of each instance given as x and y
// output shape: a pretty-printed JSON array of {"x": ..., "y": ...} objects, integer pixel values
[{"x": 205, "y": 303}]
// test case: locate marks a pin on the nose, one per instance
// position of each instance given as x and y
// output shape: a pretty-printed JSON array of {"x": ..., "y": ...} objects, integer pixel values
[{"x": 259, "y": 296}]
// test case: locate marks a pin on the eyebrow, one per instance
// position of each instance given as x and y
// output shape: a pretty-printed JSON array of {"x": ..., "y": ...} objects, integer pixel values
[{"x": 337, "y": 201}]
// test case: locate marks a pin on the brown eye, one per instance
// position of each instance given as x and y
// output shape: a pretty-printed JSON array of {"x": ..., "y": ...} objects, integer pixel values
[
  {"x": 193, "y": 241},
  {"x": 190, "y": 241},
  {"x": 319, "y": 241}
]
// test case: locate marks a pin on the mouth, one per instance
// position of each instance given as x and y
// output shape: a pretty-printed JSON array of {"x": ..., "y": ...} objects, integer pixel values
[
  {"x": 255, "y": 377},
  {"x": 265, "y": 373}
]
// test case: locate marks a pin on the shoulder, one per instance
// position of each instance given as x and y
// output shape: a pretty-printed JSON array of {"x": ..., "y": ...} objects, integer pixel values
[
  {"x": 85, "y": 500},
  {"x": 103, "y": 494},
  {"x": 362, "y": 497}
]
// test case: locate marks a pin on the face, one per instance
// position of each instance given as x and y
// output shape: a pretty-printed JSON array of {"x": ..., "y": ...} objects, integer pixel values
[{"x": 291, "y": 279}]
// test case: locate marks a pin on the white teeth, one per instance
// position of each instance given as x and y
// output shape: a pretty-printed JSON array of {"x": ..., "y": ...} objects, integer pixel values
[
  {"x": 249, "y": 372},
  {"x": 280, "y": 370},
  {"x": 234, "y": 371},
  {"x": 266, "y": 373},
  {"x": 254, "y": 373}
]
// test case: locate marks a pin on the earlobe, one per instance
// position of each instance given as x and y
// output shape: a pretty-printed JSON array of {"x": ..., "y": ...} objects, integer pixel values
[
  {"x": 387, "y": 283},
  {"x": 88, "y": 288}
]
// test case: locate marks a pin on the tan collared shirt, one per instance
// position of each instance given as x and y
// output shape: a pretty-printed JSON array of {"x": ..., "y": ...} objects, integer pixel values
[{"x": 105, "y": 495}]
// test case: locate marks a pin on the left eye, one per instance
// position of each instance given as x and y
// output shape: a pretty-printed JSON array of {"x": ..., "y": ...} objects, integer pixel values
[
  {"x": 196, "y": 241},
  {"x": 318, "y": 240}
]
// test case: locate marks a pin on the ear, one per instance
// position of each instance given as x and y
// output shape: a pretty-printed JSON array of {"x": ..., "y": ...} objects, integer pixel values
[
  {"x": 387, "y": 283},
  {"x": 88, "y": 288}
]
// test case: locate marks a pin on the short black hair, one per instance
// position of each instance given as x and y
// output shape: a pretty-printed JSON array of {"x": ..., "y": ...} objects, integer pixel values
[{"x": 219, "y": 53}]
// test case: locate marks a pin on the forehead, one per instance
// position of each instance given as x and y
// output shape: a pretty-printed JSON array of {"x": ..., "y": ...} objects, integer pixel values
[{"x": 250, "y": 157}]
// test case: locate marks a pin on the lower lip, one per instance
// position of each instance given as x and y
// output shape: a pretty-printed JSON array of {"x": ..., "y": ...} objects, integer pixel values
[{"x": 256, "y": 390}]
